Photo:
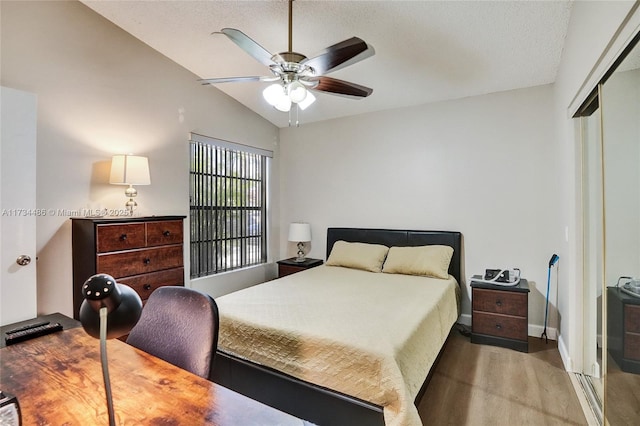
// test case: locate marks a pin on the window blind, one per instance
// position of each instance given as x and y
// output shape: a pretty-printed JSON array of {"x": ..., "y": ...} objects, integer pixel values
[{"x": 228, "y": 198}]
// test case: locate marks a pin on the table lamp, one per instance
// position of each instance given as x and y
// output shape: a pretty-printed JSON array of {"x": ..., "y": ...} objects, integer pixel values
[
  {"x": 130, "y": 170},
  {"x": 300, "y": 233},
  {"x": 109, "y": 310}
]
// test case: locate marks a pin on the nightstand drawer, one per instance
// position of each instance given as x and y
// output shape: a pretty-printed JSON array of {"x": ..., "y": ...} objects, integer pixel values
[
  {"x": 145, "y": 284},
  {"x": 136, "y": 262},
  {"x": 120, "y": 237},
  {"x": 632, "y": 346},
  {"x": 284, "y": 270},
  {"x": 163, "y": 233},
  {"x": 500, "y": 325},
  {"x": 290, "y": 266},
  {"x": 500, "y": 302},
  {"x": 632, "y": 318}
]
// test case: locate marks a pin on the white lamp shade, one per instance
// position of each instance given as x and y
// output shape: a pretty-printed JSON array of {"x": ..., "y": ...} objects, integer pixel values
[
  {"x": 299, "y": 232},
  {"x": 297, "y": 92},
  {"x": 129, "y": 170},
  {"x": 284, "y": 104},
  {"x": 273, "y": 94}
]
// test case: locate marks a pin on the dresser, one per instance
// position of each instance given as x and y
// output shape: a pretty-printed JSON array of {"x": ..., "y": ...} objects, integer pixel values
[
  {"x": 143, "y": 252},
  {"x": 500, "y": 315},
  {"x": 623, "y": 329}
]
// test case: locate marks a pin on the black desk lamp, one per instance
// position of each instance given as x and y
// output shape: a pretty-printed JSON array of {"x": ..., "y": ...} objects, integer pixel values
[{"x": 109, "y": 310}]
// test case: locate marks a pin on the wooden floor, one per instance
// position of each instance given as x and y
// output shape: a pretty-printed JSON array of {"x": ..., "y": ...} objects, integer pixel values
[
  {"x": 487, "y": 385},
  {"x": 623, "y": 396}
]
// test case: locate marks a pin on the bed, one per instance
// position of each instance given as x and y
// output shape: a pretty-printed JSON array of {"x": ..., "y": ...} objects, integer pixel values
[{"x": 339, "y": 345}]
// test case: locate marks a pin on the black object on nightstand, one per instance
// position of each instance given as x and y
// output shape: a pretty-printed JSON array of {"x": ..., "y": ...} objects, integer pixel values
[
  {"x": 290, "y": 266},
  {"x": 500, "y": 315}
]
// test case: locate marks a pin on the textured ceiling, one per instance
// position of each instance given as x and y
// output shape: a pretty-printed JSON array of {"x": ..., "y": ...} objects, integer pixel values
[{"x": 426, "y": 51}]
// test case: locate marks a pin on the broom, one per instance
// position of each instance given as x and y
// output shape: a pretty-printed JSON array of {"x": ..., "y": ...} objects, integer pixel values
[{"x": 554, "y": 259}]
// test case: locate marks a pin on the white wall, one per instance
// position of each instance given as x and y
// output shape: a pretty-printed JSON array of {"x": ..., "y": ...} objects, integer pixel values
[
  {"x": 103, "y": 92},
  {"x": 587, "y": 49},
  {"x": 480, "y": 165}
]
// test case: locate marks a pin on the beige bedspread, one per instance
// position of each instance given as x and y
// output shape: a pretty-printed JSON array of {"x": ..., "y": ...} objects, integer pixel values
[{"x": 370, "y": 335}]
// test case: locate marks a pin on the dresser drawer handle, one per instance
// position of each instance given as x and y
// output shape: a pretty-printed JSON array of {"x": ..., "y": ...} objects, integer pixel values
[
  {"x": 147, "y": 261},
  {"x": 498, "y": 326},
  {"x": 166, "y": 233},
  {"x": 123, "y": 237},
  {"x": 498, "y": 303},
  {"x": 147, "y": 287}
]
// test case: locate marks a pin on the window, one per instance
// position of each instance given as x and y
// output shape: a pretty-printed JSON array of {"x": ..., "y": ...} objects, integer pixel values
[{"x": 228, "y": 198}]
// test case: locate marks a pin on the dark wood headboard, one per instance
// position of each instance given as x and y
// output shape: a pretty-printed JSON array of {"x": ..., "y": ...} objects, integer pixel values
[{"x": 402, "y": 238}]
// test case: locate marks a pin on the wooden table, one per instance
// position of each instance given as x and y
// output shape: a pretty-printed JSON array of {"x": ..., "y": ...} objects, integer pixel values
[{"x": 58, "y": 381}]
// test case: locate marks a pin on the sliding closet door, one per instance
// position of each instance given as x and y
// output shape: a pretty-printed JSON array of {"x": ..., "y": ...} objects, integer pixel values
[
  {"x": 620, "y": 105},
  {"x": 593, "y": 262}
]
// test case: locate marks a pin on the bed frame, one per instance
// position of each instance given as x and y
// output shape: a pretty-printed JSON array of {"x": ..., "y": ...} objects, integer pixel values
[{"x": 306, "y": 400}]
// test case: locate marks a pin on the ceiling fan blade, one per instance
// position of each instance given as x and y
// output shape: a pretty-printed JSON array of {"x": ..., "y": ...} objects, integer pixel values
[
  {"x": 247, "y": 44},
  {"x": 236, "y": 79},
  {"x": 340, "y": 87},
  {"x": 362, "y": 56},
  {"x": 334, "y": 56}
]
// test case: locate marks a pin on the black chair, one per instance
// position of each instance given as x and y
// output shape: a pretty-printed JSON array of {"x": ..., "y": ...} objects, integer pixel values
[{"x": 179, "y": 325}]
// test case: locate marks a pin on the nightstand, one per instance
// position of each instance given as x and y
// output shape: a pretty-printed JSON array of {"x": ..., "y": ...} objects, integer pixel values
[
  {"x": 500, "y": 315},
  {"x": 290, "y": 266},
  {"x": 623, "y": 329}
]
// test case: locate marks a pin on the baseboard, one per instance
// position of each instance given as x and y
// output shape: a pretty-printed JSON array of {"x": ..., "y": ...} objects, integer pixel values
[
  {"x": 465, "y": 319},
  {"x": 536, "y": 331},
  {"x": 564, "y": 354}
]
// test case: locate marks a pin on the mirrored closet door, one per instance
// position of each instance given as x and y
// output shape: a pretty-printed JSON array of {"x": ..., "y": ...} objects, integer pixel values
[
  {"x": 591, "y": 378},
  {"x": 620, "y": 109}
]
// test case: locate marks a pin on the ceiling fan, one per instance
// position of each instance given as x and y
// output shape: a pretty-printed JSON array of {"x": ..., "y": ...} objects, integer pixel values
[{"x": 295, "y": 75}]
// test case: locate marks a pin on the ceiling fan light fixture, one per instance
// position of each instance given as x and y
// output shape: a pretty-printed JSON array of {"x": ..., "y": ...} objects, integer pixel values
[
  {"x": 308, "y": 100},
  {"x": 284, "y": 104},
  {"x": 297, "y": 92},
  {"x": 274, "y": 94}
]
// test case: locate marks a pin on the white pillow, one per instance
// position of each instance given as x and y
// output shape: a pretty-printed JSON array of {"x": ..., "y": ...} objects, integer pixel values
[
  {"x": 429, "y": 261},
  {"x": 368, "y": 257}
]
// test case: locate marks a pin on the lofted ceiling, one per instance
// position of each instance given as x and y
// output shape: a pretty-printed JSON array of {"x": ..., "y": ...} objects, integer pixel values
[{"x": 426, "y": 51}]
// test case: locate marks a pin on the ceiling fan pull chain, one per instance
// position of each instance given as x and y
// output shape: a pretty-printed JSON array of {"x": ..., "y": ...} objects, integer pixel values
[{"x": 292, "y": 122}]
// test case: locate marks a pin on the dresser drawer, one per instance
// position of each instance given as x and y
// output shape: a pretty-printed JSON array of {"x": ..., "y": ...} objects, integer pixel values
[
  {"x": 120, "y": 237},
  {"x": 500, "y": 325},
  {"x": 500, "y": 302},
  {"x": 145, "y": 284},
  {"x": 142, "y": 261},
  {"x": 163, "y": 233},
  {"x": 632, "y": 318}
]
